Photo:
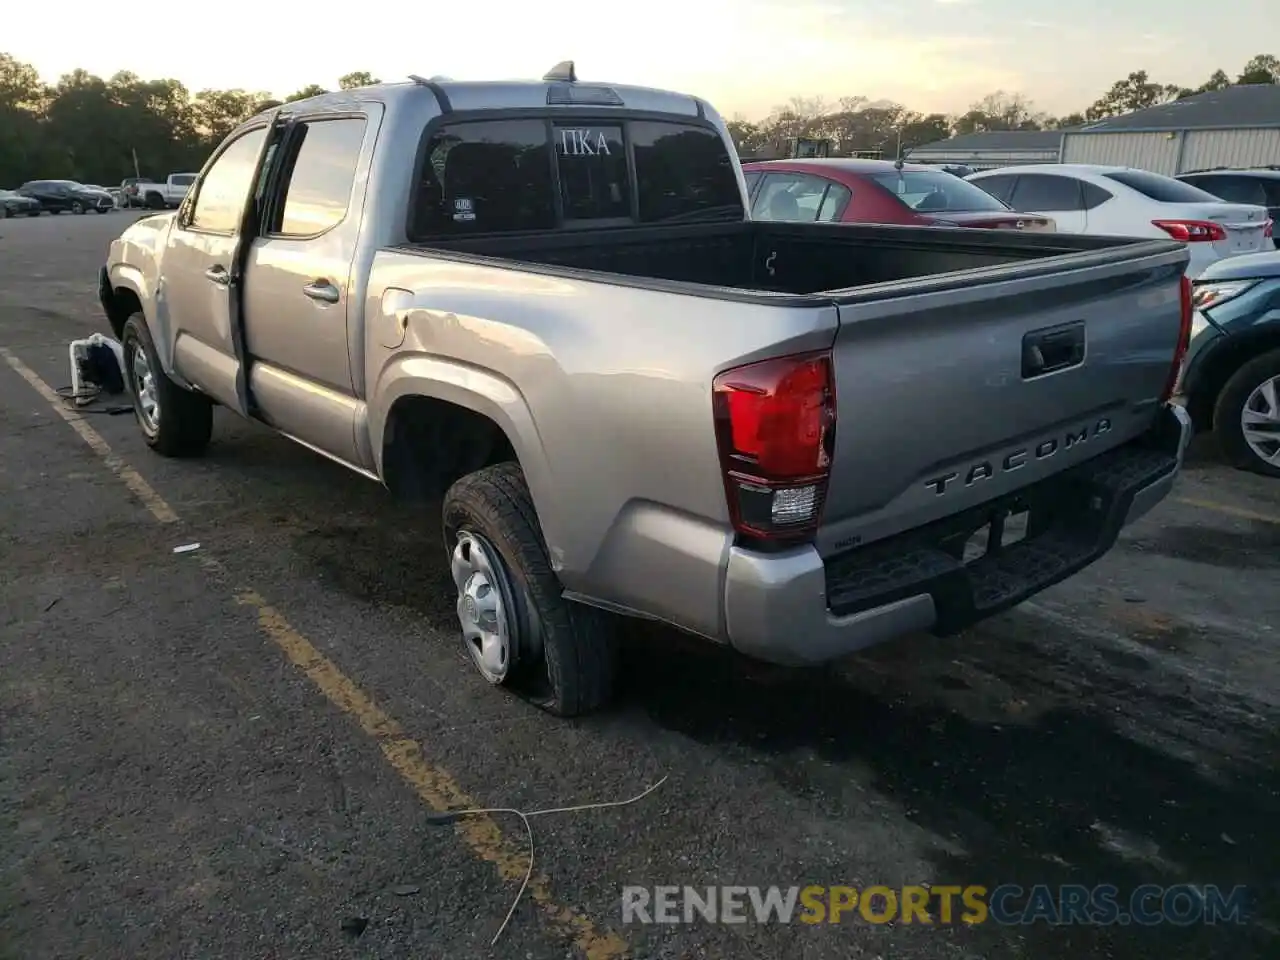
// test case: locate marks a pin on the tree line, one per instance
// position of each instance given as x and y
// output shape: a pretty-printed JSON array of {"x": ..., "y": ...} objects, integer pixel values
[{"x": 93, "y": 130}]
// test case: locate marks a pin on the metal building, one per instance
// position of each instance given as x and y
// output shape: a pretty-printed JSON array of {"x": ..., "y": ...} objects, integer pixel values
[
  {"x": 1235, "y": 127},
  {"x": 986, "y": 151}
]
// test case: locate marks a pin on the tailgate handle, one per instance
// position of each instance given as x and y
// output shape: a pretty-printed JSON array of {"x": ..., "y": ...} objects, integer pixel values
[{"x": 1052, "y": 349}]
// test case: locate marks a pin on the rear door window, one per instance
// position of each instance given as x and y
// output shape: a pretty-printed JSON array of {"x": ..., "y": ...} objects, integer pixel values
[
  {"x": 1040, "y": 191},
  {"x": 1000, "y": 187},
  {"x": 798, "y": 197},
  {"x": 319, "y": 174}
]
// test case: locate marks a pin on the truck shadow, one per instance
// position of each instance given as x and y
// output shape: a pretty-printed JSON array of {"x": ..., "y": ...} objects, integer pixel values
[{"x": 1025, "y": 770}]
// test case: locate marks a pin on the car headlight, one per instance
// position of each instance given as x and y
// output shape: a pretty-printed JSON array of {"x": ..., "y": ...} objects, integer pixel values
[{"x": 1210, "y": 294}]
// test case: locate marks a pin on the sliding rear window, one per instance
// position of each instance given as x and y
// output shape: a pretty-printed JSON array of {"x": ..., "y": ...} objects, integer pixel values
[{"x": 503, "y": 176}]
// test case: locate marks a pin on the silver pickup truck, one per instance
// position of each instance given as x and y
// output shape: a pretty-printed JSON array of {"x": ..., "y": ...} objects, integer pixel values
[{"x": 544, "y": 301}]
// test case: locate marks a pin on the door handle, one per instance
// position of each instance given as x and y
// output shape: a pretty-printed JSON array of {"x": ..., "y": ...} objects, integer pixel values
[
  {"x": 218, "y": 274},
  {"x": 322, "y": 290}
]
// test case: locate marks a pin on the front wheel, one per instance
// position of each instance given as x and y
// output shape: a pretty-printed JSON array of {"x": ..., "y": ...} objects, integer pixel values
[
  {"x": 517, "y": 627},
  {"x": 1246, "y": 418},
  {"x": 77, "y": 207},
  {"x": 175, "y": 422}
]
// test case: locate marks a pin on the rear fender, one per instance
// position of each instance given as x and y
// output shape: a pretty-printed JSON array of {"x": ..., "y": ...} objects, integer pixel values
[{"x": 487, "y": 394}]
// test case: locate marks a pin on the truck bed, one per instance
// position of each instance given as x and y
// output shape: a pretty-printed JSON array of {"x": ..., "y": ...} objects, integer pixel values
[{"x": 797, "y": 260}]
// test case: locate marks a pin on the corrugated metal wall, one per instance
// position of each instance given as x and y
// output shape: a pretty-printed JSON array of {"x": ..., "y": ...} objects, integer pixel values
[
  {"x": 1157, "y": 152},
  {"x": 1167, "y": 154},
  {"x": 1230, "y": 148}
]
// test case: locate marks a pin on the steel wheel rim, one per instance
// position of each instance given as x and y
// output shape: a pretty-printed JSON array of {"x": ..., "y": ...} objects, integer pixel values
[
  {"x": 482, "y": 605},
  {"x": 146, "y": 401},
  {"x": 1260, "y": 421}
]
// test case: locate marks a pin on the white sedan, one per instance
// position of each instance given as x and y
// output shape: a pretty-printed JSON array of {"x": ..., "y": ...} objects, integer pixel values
[{"x": 1123, "y": 201}]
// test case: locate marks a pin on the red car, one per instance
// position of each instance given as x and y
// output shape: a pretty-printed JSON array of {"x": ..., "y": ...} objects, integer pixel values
[{"x": 876, "y": 191}]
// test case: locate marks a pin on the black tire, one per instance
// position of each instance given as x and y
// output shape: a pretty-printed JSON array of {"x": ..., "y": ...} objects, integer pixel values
[
  {"x": 77, "y": 207},
  {"x": 185, "y": 419},
  {"x": 565, "y": 653},
  {"x": 155, "y": 201},
  {"x": 1227, "y": 413},
  {"x": 35, "y": 213}
]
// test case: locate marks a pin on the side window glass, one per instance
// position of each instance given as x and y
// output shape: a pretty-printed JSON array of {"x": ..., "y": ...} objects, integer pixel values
[
  {"x": 322, "y": 171},
  {"x": 1094, "y": 195},
  {"x": 790, "y": 197},
  {"x": 485, "y": 176},
  {"x": 1038, "y": 191},
  {"x": 834, "y": 202},
  {"x": 752, "y": 179},
  {"x": 225, "y": 187},
  {"x": 999, "y": 187},
  {"x": 592, "y": 163}
]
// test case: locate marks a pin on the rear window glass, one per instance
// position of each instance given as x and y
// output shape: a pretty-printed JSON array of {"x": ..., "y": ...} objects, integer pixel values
[
  {"x": 592, "y": 162},
  {"x": 684, "y": 173},
  {"x": 1160, "y": 189},
  {"x": 928, "y": 191},
  {"x": 184, "y": 179},
  {"x": 499, "y": 176}
]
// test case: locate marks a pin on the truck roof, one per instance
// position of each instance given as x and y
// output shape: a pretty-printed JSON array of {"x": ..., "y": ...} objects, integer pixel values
[{"x": 469, "y": 95}]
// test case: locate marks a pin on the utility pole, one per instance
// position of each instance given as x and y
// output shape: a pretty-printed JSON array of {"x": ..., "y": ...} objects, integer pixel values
[{"x": 136, "y": 171}]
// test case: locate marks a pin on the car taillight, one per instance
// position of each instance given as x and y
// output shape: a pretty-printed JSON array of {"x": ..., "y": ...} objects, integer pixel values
[
  {"x": 1192, "y": 231},
  {"x": 1269, "y": 230},
  {"x": 1184, "y": 342},
  {"x": 775, "y": 427}
]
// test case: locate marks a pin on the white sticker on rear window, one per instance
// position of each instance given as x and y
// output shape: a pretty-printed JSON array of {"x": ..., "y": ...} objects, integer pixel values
[
  {"x": 463, "y": 210},
  {"x": 583, "y": 142}
]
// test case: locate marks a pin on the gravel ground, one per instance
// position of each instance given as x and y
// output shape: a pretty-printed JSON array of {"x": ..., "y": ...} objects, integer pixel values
[{"x": 233, "y": 752}]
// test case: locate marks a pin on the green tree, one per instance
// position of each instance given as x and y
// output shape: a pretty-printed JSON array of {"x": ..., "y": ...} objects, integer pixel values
[
  {"x": 1134, "y": 92},
  {"x": 1264, "y": 68},
  {"x": 357, "y": 78},
  {"x": 310, "y": 90}
]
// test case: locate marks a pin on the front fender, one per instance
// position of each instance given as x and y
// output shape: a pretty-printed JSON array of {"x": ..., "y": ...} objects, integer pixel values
[{"x": 482, "y": 392}]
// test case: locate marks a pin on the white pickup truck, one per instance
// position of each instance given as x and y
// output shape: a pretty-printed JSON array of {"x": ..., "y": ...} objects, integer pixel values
[
  {"x": 159, "y": 196},
  {"x": 545, "y": 302}
]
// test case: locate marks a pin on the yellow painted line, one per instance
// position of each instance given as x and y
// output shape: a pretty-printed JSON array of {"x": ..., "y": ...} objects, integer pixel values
[
  {"x": 132, "y": 479},
  {"x": 433, "y": 785},
  {"x": 1230, "y": 511}
]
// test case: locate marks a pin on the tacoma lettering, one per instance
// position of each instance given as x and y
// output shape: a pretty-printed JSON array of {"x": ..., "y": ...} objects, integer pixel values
[{"x": 985, "y": 469}]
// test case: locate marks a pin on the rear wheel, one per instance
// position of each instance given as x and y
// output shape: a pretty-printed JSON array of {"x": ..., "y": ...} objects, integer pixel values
[
  {"x": 77, "y": 207},
  {"x": 518, "y": 629},
  {"x": 1246, "y": 418},
  {"x": 175, "y": 422}
]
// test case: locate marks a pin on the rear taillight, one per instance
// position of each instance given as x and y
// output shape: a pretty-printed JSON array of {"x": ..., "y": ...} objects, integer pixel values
[
  {"x": 1184, "y": 342},
  {"x": 1192, "y": 231},
  {"x": 775, "y": 426},
  {"x": 1269, "y": 230}
]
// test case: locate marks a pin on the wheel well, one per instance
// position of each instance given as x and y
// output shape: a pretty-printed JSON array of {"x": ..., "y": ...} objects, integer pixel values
[
  {"x": 429, "y": 443},
  {"x": 123, "y": 304},
  {"x": 1221, "y": 366}
]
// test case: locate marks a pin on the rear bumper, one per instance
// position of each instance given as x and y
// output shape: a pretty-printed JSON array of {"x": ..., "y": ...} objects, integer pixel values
[{"x": 796, "y": 608}]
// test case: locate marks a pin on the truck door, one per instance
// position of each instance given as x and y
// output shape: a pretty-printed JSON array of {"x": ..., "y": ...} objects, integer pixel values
[
  {"x": 200, "y": 290},
  {"x": 302, "y": 329}
]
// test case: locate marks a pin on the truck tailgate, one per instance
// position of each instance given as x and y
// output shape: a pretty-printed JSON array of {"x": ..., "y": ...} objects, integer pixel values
[{"x": 973, "y": 388}]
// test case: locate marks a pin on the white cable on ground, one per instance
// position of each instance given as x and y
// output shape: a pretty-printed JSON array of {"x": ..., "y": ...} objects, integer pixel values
[{"x": 453, "y": 815}]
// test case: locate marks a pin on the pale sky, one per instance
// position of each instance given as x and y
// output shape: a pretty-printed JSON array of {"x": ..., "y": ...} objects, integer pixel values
[{"x": 745, "y": 56}]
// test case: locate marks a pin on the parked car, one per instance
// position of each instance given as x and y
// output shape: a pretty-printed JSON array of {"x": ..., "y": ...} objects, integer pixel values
[
  {"x": 13, "y": 204},
  {"x": 875, "y": 191},
  {"x": 1122, "y": 201},
  {"x": 636, "y": 400},
  {"x": 1260, "y": 187},
  {"x": 1232, "y": 381},
  {"x": 158, "y": 196},
  {"x": 59, "y": 195},
  {"x": 131, "y": 190}
]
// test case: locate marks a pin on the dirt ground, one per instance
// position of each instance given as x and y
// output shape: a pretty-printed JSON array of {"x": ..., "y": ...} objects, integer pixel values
[{"x": 234, "y": 751}]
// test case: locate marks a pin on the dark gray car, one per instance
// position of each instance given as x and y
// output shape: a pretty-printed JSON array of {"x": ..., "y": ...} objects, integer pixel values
[{"x": 1232, "y": 380}]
